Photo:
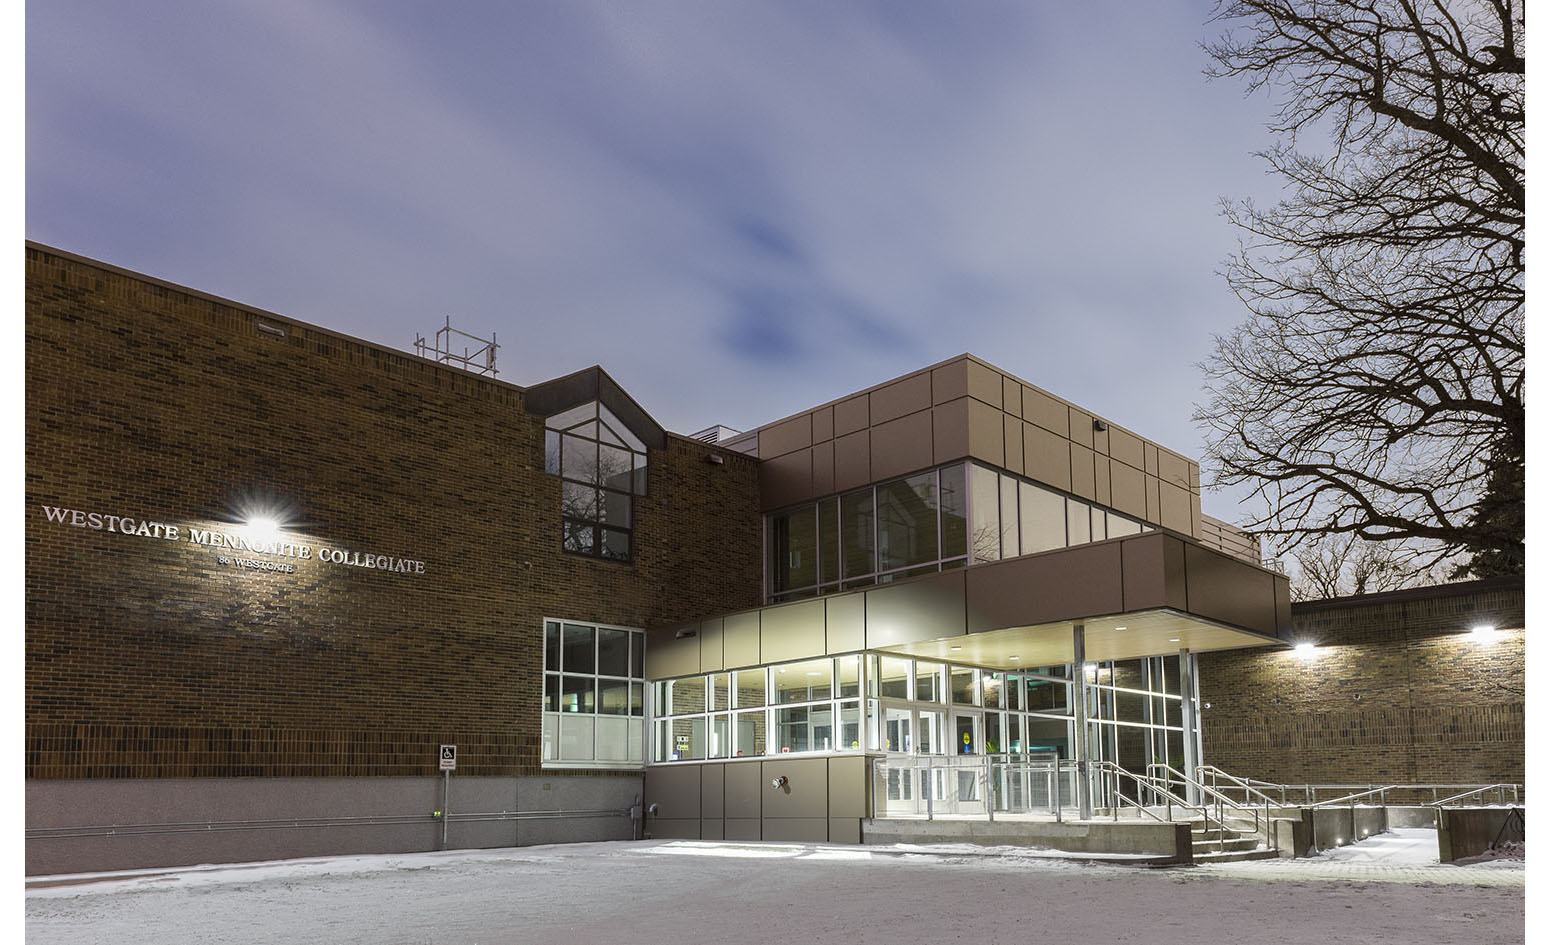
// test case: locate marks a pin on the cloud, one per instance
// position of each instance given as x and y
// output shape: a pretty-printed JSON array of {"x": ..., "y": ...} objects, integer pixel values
[{"x": 799, "y": 199}]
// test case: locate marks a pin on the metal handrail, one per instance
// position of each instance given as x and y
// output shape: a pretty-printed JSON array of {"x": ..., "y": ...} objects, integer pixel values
[
  {"x": 1261, "y": 828},
  {"x": 1498, "y": 788},
  {"x": 1246, "y": 785},
  {"x": 1351, "y": 799}
]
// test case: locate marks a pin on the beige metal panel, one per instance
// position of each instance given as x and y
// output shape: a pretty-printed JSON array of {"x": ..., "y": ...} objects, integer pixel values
[
  {"x": 1153, "y": 500},
  {"x": 1194, "y": 515},
  {"x": 1194, "y": 476},
  {"x": 851, "y": 415},
  {"x": 791, "y": 631},
  {"x": 666, "y": 829},
  {"x": 806, "y": 792},
  {"x": 1127, "y": 448},
  {"x": 1173, "y": 468},
  {"x": 786, "y": 479},
  {"x": 1082, "y": 471},
  {"x": 740, "y": 640},
  {"x": 985, "y": 384},
  {"x": 987, "y": 440},
  {"x": 1046, "y": 411},
  {"x": 950, "y": 381},
  {"x": 844, "y": 830},
  {"x": 823, "y": 424},
  {"x": 796, "y": 830},
  {"x": 744, "y": 790},
  {"x": 781, "y": 438},
  {"x": 1283, "y": 595},
  {"x": 852, "y": 460},
  {"x": 1012, "y": 397},
  {"x": 1047, "y": 457},
  {"x": 823, "y": 468},
  {"x": 1127, "y": 489},
  {"x": 1151, "y": 458},
  {"x": 1223, "y": 588},
  {"x": 712, "y": 829},
  {"x": 1101, "y": 480},
  {"x": 1012, "y": 433},
  {"x": 845, "y": 619},
  {"x": 668, "y": 654},
  {"x": 741, "y": 830},
  {"x": 901, "y": 445},
  {"x": 921, "y": 609},
  {"x": 712, "y": 657},
  {"x": 712, "y": 791},
  {"x": 950, "y": 431},
  {"x": 1082, "y": 427},
  {"x": 1057, "y": 585},
  {"x": 1175, "y": 506},
  {"x": 847, "y": 787},
  {"x": 1153, "y": 565},
  {"x": 903, "y": 396},
  {"x": 675, "y": 789}
]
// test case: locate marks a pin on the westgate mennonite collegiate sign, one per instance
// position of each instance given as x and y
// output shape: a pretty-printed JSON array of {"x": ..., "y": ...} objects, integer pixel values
[{"x": 212, "y": 538}]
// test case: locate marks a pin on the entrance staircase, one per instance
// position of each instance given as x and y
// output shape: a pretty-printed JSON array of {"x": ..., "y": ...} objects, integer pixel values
[{"x": 1227, "y": 842}]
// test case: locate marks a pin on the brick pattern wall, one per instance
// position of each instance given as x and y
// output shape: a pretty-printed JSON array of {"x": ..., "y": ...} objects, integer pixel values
[
  {"x": 1396, "y": 692},
  {"x": 147, "y": 658}
]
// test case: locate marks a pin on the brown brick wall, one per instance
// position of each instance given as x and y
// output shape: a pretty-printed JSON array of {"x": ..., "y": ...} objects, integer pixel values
[
  {"x": 1397, "y": 692},
  {"x": 147, "y": 658}
]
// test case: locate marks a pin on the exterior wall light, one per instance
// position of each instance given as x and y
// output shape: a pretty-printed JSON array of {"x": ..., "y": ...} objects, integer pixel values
[
  {"x": 263, "y": 528},
  {"x": 1304, "y": 649},
  {"x": 1483, "y": 633}
]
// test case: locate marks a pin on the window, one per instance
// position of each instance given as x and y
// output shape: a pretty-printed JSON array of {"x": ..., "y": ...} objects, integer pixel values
[
  {"x": 602, "y": 467},
  {"x": 594, "y": 686}
]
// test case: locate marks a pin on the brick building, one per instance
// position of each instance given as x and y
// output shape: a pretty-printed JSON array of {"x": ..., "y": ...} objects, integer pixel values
[
  {"x": 1395, "y": 688},
  {"x": 272, "y": 569}
]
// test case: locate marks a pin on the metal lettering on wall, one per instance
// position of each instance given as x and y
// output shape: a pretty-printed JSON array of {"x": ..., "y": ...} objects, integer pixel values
[{"x": 211, "y": 538}]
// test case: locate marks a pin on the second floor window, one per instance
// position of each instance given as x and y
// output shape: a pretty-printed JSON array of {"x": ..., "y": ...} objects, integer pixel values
[{"x": 602, "y": 467}]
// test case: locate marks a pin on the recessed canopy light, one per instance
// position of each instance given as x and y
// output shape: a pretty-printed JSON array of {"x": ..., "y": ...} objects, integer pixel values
[
  {"x": 955, "y": 648},
  {"x": 1121, "y": 628},
  {"x": 1173, "y": 639},
  {"x": 812, "y": 674},
  {"x": 1012, "y": 657}
]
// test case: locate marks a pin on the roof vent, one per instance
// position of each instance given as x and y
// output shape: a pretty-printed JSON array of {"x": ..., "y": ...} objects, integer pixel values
[{"x": 714, "y": 434}]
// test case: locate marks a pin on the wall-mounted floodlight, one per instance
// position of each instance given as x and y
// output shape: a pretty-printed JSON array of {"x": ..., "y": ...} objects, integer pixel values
[
  {"x": 262, "y": 528},
  {"x": 1483, "y": 632},
  {"x": 1304, "y": 649}
]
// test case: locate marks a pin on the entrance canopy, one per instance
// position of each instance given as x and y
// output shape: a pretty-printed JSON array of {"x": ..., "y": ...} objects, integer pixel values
[
  {"x": 1119, "y": 637},
  {"x": 1166, "y": 591}
]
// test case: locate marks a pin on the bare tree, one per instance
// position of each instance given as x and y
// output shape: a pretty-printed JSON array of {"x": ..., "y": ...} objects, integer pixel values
[
  {"x": 1376, "y": 389},
  {"x": 1344, "y": 565}
]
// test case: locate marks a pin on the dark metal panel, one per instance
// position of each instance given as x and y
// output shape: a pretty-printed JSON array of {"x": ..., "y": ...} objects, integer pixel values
[
  {"x": 926, "y": 608},
  {"x": 1058, "y": 585}
]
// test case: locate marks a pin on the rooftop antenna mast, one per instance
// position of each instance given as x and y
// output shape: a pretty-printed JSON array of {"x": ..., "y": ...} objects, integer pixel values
[{"x": 479, "y": 359}]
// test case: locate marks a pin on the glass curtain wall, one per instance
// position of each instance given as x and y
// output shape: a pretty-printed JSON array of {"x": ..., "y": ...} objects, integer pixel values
[{"x": 918, "y": 524}]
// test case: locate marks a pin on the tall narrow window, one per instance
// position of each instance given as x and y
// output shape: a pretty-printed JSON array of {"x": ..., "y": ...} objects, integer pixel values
[{"x": 602, "y": 467}]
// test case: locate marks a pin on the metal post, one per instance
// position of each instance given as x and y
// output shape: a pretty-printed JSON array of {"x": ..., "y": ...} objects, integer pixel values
[
  {"x": 930, "y": 790},
  {"x": 446, "y": 785},
  {"x": 1191, "y": 724},
  {"x": 1084, "y": 792}
]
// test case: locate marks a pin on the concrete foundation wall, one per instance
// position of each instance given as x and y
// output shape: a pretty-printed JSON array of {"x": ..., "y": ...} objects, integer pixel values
[
  {"x": 1171, "y": 841},
  {"x": 1463, "y": 832},
  {"x": 175, "y": 822}
]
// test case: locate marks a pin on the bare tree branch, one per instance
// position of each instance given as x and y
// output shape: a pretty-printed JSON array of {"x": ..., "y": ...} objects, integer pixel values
[{"x": 1376, "y": 389}]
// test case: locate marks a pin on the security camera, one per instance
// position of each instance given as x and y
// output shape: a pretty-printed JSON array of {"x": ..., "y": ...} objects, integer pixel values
[
  {"x": 778, "y": 782},
  {"x": 652, "y": 810}
]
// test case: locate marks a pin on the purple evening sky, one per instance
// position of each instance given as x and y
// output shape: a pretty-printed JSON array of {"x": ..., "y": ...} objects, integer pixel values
[{"x": 738, "y": 209}]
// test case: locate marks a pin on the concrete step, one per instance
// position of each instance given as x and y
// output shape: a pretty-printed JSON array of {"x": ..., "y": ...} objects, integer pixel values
[
  {"x": 1230, "y": 845},
  {"x": 1234, "y": 856}
]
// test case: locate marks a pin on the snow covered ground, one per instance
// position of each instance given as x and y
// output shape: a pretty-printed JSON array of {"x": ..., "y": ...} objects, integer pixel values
[{"x": 681, "y": 892}]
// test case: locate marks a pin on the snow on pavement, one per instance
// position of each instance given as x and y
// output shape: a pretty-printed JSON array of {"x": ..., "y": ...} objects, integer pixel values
[{"x": 682, "y": 892}]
